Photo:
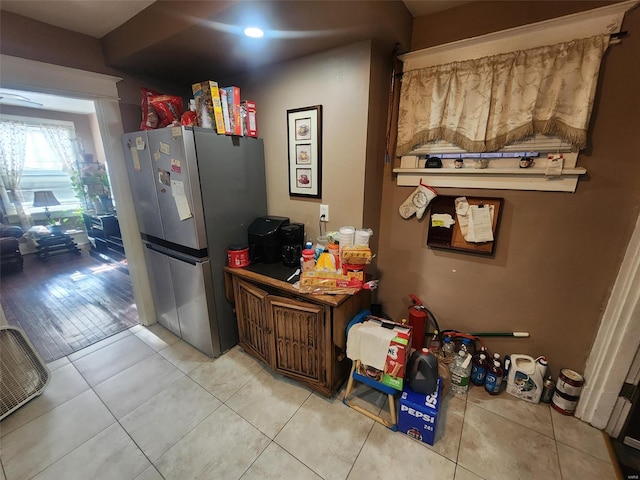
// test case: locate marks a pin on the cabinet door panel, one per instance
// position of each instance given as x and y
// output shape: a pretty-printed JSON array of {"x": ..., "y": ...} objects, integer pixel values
[
  {"x": 254, "y": 328},
  {"x": 299, "y": 330}
]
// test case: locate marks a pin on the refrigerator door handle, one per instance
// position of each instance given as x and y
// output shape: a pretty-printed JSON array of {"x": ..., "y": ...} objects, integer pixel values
[{"x": 173, "y": 254}]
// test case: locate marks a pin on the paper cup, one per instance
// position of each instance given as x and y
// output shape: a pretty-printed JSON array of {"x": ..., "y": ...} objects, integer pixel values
[{"x": 362, "y": 237}]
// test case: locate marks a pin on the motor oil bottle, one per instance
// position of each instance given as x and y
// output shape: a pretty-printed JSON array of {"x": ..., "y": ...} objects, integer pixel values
[
  {"x": 494, "y": 378},
  {"x": 423, "y": 372},
  {"x": 479, "y": 368}
]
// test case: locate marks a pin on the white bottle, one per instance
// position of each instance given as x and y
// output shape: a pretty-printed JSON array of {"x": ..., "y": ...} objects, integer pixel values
[
  {"x": 526, "y": 377},
  {"x": 460, "y": 373}
]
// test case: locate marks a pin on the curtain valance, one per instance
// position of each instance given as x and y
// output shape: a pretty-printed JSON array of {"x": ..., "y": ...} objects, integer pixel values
[{"x": 484, "y": 104}]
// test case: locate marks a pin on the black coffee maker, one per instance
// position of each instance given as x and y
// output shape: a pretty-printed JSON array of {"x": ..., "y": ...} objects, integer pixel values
[{"x": 292, "y": 237}]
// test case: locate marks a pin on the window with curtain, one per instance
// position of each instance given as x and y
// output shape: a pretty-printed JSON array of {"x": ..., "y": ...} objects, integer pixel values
[
  {"x": 37, "y": 155},
  {"x": 45, "y": 169},
  {"x": 484, "y": 104}
]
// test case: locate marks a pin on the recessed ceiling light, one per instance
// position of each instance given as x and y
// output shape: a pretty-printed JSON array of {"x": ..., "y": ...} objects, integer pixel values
[{"x": 253, "y": 32}]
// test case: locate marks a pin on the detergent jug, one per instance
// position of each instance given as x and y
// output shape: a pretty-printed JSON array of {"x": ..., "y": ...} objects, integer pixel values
[{"x": 526, "y": 377}]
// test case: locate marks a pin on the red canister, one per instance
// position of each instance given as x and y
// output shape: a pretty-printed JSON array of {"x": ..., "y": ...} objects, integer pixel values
[
  {"x": 567, "y": 391},
  {"x": 238, "y": 255},
  {"x": 418, "y": 320}
]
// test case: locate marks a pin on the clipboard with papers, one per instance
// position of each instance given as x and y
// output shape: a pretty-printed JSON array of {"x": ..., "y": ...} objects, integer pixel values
[{"x": 468, "y": 224}]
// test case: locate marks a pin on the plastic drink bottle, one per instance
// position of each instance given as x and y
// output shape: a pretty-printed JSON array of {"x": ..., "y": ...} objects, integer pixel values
[
  {"x": 448, "y": 348},
  {"x": 434, "y": 344},
  {"x": 466, "y": 345},
  {"x": 494, "y": 379},
  {"x": 479, "y": 368},
  {"x": 460, "y": 373}
]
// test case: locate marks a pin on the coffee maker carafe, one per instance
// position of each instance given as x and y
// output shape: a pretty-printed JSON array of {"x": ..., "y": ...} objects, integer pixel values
[{"x": 292, "y": 239}]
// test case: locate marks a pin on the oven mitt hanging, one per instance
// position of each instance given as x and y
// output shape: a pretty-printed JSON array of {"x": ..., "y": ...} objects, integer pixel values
[{"x": 418, "y": 201}]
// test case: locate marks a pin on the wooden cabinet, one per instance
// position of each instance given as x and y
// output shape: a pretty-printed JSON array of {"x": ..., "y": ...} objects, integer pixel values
[
  {"x": 254, "y": 330},
  {"x": 300, "y": 336}
]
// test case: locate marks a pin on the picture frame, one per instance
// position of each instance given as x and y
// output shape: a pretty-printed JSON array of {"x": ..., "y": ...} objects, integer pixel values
[
  {"x": 450, "y": 237},
  {"x": 304, "y": 135}
]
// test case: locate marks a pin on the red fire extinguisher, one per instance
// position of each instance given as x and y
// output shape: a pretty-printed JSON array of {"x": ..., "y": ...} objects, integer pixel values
[{"x": 418, "y": 320}]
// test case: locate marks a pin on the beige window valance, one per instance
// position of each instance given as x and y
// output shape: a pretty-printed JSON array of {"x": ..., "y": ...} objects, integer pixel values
[{"x": 484, "y": 104}]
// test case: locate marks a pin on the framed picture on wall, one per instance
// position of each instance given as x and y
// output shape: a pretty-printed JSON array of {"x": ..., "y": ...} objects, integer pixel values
[{"x": 304, "y": 134}]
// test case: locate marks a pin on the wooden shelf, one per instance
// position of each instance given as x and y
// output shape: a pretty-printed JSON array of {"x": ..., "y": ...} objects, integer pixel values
[{"x": 491, "y": 178}]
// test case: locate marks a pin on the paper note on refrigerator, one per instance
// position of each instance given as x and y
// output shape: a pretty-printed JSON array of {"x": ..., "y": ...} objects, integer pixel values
[
  {"x": 135, "y": 158},
  {"x": 177, "y": 189}
]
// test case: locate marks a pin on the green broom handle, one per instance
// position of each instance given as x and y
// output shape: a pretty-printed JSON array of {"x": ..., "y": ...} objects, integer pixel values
[{"x": 500, "y": 334}]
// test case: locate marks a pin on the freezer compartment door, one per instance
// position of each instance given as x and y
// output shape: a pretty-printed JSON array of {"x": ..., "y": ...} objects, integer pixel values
[
  {"x": 194, "y": 301},
  {"x": 162, "y": 289},
  {"x": 142, "y": 180},
  {"x": 177, "y": 186}
]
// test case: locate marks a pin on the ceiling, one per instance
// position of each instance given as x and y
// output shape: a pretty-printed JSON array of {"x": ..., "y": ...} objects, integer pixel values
[
  {"x": 93, "y": 18},
  {"x": 182, "y": 41},
  {"x": 96, "y": 18},
  {"x": 20, "y": 98}
]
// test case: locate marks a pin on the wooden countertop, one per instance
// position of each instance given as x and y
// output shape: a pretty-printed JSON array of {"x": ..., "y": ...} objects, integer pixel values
[{"x": 275, "y": 275}]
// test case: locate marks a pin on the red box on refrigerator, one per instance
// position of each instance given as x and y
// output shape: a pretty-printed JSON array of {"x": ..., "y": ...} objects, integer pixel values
[
  {"x": 250, "y": 122},
  {"x": 233, "y": 104}
]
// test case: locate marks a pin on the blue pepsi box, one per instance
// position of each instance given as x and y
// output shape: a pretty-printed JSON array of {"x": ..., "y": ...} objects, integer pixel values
[{"x": 418, "y": 413}]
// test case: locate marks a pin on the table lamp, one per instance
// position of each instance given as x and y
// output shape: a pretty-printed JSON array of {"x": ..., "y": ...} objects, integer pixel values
[{"x": 45, "y": 198}]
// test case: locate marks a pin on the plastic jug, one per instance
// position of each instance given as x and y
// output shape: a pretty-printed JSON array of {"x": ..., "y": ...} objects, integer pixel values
[
  {"x": 526, "y": 377},
  {"x": 423, "y": 372}
]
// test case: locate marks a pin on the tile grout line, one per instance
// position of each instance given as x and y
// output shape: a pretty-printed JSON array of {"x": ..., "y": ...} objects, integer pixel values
[
  {"x": 285, "y": 424},
  {"x": 128, "y": 435},
  {"x": 116, "y": 420},
  {"x": 127, "y": 432},
  {"x": 464, "y": 414},
  {"x": 44, "y": 413}
]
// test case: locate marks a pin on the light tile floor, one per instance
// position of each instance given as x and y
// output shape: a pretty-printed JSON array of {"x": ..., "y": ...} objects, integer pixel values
[{"x": 144, "y": 405}]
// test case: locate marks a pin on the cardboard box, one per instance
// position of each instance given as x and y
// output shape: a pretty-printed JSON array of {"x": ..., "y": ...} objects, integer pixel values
[
  {"x": 233, "y": 105},
  {"x": 418, "y": 414},
  {"x": 250, "y": 121},
  {"x": 208, "y": 105},
  {"x": 397, "y": 356},
  {"x": 225, "y": 111},
  {"x": 356, "y": 255},
  {"x": 354, "y": 271},
  {"x": 328, "y": 283}
]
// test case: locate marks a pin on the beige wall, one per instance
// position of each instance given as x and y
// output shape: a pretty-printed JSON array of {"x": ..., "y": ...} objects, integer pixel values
[
  {"x": 557, "y": 254},
  {"x": 339, "y": 81}
]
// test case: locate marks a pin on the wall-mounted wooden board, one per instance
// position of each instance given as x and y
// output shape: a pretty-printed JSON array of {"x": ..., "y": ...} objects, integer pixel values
[{"x": 451, "y": 237}]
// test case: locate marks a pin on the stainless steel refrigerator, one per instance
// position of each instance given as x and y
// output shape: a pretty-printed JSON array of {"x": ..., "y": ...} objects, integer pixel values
[{"x": 195, "y": 192}]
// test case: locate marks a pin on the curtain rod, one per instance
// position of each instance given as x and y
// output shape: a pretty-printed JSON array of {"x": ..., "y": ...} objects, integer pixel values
[
  {"x": 612, "y": 36},
  {"x": 618, "y": 35}
]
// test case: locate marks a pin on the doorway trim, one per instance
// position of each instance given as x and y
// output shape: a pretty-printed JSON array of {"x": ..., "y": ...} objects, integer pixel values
[
  {"x": 616, "y": 342},
  {"x": 23, "y": 74}
]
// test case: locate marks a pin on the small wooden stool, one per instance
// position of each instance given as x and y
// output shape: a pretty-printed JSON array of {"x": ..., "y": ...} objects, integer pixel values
[{"x": 354, "y": 376}]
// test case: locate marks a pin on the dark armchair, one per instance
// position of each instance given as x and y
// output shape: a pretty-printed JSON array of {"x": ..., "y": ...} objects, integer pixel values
[{"x": 10, "y": 256}]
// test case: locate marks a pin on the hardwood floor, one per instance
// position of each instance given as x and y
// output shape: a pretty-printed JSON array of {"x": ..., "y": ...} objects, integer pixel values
[{"x": 67, "y": 302}]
